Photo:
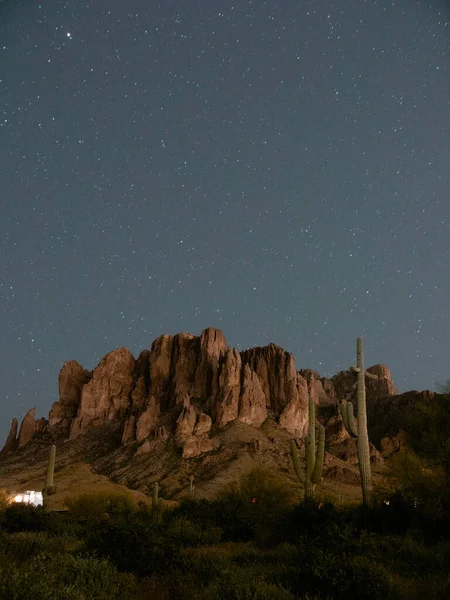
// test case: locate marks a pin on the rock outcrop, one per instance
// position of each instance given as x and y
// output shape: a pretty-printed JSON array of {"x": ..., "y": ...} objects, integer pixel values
[
  {"x": 226, "y": 407},
  {"x": 190, "y": 387},
  {"x": 387, "y": 416},
  {"x": 27, "y": 428},
  {"x": 11, "y": 441},
  {"x": 72, "y": 378},
  {"x": 253, "y": 401},
  {"x": 107, "y": 394}
]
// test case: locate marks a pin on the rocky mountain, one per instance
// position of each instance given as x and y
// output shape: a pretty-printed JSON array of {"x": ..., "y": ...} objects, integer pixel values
[{"x": 191, "y": 403}]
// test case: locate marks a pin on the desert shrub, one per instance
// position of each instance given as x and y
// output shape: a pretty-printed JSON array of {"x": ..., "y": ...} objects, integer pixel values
[
  {"x": 429, "y": 477},
  {"x": 92, "y": 506},
  {"x": 24, "y": 517},
  {"x": 408, "y": 555},
  {"x": 255, "y": 507},
  {"x": 3, "y": 500},
  {"x": 421, "y": 500},
  {"x": 227, "y": 513},
  {"x": 134, "y": 545},
  {"x": 341, "y": 575},
  {"x": 20, "y": 547},
  {"x": 188, "y": 533},
  {"x": 238, "y": 584},
  {"x": 428, "y": 426},
  {"x": 321, "y": 524},
  {"x": 65, "y": 577},
  {"x": 196, "y": 511}
]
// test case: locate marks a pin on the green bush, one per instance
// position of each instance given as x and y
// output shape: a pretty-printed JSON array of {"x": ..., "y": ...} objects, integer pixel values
[
  {"x": 134, "y": 545},
  {"x": 239, "y": 584},
  {"x": 20, "y": 547},
  {"x": 256, "y": 506},
  {"x": 93, "y": 506},
  {"x": 321, "y": 524},
  {"x": 341, "y": 575},
  {"x": 187, "y": 533},
  {"x": 24, "y": 517},
  {"x": 65, "y": 577}
]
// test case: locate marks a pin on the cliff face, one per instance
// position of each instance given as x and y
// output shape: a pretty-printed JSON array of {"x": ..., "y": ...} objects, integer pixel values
[{"x": 186, "y": 387}]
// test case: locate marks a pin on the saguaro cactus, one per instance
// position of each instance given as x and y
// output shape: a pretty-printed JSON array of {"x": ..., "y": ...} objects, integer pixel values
[
  {"x": 314, "y": 462},
  {"x": 156, "y": 504},
  {"x": 360, "y": 432},
  {"x": 49, "y": 487}
]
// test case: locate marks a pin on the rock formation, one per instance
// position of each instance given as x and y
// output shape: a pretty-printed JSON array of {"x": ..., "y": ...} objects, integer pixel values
[
  {"x": 27, "y": 428},
  {"x": 72, "y": 378},
  {"x": 11, "y": 441},
  {"x": 190, "y": 386},
  {"x": 107, "y": 394}
]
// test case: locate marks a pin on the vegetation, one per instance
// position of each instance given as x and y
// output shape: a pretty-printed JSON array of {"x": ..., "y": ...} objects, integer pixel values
[
  {"x": 314, "y": 461},
  {"x": 49, "y": 487},
  {"x": 423, "y": 468},
  {"x": 360, "y": 432},
  {"x": 252, "y": 543}
]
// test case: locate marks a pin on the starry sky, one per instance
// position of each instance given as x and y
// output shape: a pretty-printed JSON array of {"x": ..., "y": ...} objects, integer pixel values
[{"x": 279, "y": 170}]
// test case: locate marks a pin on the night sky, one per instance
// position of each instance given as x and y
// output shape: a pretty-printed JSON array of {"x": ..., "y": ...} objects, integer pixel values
[{"x": 279, "y": 170}]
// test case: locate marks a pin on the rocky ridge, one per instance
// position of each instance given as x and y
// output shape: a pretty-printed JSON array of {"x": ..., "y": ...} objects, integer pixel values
[
  {"x": 184, "y": 393},
  {"x": 189, "y": 385}
]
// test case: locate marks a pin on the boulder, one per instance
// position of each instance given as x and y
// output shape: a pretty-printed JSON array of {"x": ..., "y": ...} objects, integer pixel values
[
  {"x": 203, "y": 424},
  {"x": 194, "y": 446}
]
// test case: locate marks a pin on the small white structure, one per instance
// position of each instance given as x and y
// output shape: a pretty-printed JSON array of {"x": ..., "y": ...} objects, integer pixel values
[{"x": 30, "y": 497}]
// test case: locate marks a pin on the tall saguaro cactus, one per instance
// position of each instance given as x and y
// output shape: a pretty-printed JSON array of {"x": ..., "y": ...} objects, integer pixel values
[
  {"x": 360, "y": 432},
  {"x": 314, "y": 462},
  {"x": 49, "y": 487}
]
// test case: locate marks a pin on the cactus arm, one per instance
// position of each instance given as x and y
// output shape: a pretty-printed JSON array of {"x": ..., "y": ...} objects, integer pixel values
[
  {"x": 296, "y": 462},
  {"x": 344, "y": 416},
  {"x": 371, "y": 375},
  {"x": 318, "y": 467},
  {"x": 348, "y": 419},
  {"x": 351, "y": 420}
]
